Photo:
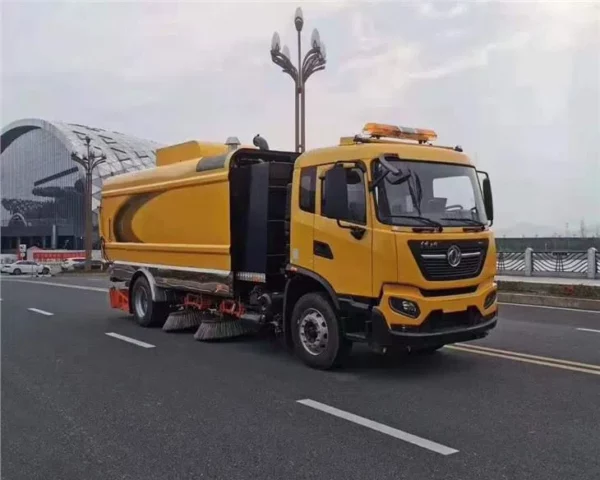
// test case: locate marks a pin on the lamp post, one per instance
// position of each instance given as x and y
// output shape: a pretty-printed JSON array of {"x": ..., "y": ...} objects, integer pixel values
[
  {"x": 89, "y": 163},
  {"x": 314, "y": 61}
]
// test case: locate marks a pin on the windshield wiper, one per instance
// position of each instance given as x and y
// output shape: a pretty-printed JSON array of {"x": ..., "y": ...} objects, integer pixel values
[
  {"x": 471, "y": 221},
  {"x": 425, "y": 220}
]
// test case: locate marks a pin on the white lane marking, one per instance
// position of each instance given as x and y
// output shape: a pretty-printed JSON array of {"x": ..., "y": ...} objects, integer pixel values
[
  {"x": 578, "y": 310},
  {"x": 379, "y": 427},
  {"x": 64, "y": 285},
  {"x": 42, "y": 312},
  {"x": 588, "y": 330},
  {"x": 130, "y": 340}
]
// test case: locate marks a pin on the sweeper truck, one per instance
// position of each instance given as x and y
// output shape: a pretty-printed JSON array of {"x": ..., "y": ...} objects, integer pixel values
[{"x": 383, "y": 239}]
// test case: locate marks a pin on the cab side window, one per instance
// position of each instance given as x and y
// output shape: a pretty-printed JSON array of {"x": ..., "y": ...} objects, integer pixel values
[
  {"x": 308, "y": 189},
  {"x": 357, "y": 203}
]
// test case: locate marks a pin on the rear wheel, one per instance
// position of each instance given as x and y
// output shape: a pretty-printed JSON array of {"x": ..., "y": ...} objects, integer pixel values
[
  {"x": 146, "y": 312},
  {"x": 45, "y": 271},
  {"x": 316, "y": 332}
]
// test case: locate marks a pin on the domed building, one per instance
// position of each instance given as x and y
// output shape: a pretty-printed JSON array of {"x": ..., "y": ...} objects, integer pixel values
[{"x": 42, "y": 188}]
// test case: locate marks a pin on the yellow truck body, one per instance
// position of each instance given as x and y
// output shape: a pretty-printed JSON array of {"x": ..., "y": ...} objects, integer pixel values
[{"x": 360, "y": 229}]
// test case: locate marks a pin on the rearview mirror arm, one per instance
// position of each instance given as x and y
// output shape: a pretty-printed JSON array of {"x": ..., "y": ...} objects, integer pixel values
[{"x": 356, "y": 231}]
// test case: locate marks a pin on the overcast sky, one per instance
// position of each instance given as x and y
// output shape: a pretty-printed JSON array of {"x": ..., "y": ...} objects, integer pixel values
[{"x": 517, "y": 84}]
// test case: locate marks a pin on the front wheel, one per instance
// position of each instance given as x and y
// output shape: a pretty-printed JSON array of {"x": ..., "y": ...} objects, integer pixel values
[
  {"x": 318, "y": 339},
  {"x": 45, "y": 271},
  {"x": 146, "y": 312},
  {"x": 16, "y": 271}
]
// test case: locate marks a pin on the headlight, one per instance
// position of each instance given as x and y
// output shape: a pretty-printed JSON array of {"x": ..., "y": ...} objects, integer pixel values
[
  {"x": 490, "y": 299},
  {"x": 405, "y": 307}
]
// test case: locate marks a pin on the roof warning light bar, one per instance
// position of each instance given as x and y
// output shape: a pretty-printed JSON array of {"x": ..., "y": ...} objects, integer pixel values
[{"x": 379, "y": 130}]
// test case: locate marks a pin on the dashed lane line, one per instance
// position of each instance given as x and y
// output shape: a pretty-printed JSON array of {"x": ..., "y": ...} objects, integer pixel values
[
  {"x": 588, "y": 330},
  {"x": 130, "y": 340},
  {"x": 380, "y": 427},
  {"x": 41, "y": 312}
]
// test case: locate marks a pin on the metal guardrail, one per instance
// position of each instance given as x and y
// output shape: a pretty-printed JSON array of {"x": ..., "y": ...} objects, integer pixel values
[
  {"x": 576, "y": 264},
  {"x": 511, "y": 262}
]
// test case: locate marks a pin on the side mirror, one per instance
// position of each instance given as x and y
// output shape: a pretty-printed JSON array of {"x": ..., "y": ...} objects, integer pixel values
[
  {"x": 488, "y": 200},
  {"x": 335, "y": 195}
]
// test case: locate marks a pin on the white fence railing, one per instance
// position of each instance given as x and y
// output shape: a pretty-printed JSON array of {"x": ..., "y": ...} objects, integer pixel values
[{"x": 583, "y": 264}]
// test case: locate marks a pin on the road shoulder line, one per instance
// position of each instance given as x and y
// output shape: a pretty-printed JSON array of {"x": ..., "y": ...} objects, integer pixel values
[
  {"x": 567, "y": 309},
  {"x": 64, "y": 285}
]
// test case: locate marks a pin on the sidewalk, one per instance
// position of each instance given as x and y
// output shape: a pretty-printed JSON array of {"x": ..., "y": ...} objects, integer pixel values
[{"x": 557, "y": 292}]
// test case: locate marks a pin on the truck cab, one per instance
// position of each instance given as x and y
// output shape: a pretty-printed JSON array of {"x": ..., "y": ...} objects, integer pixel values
[{"x": 393, "y": 233}]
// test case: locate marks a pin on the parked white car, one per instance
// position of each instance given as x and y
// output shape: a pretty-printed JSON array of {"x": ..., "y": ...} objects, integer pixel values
[
  {"x": 70, "y": 263},
  {"x": 25, "y": 267}
]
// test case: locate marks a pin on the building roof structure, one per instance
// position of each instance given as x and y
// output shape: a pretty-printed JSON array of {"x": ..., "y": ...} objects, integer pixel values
[{"x": 124, "y": 153}]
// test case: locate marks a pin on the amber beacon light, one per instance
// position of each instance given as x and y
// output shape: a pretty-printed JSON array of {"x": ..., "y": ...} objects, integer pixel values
[{"x": 380, "y": 130}]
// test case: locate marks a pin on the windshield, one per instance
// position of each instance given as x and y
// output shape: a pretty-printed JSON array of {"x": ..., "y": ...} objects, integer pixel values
[{"x": 447, "y": 194}]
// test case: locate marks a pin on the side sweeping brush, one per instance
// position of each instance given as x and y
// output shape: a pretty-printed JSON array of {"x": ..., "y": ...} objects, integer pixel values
[
  {"x": 183, "y": 320},
  {"x": 219, "y": 327}
]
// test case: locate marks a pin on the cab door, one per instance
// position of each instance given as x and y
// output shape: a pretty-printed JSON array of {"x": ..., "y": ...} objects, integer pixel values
[{"x": 342, "y": 247}]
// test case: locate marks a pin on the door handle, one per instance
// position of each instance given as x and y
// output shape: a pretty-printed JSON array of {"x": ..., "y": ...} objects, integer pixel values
[{"x": 322, "y": 249}]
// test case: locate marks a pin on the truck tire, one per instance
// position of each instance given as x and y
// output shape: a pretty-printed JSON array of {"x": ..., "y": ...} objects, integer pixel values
[
  {"x": 316, "y": 332},
  {"x": 146, "y": 312}
]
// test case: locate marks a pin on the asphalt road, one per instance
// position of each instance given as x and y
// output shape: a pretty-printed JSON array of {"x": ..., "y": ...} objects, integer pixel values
[{"x": 523, "y": 403}]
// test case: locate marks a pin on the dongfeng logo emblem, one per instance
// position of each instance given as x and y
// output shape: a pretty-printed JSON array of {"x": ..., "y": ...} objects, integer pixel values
[{"x": 454, "y": 256}]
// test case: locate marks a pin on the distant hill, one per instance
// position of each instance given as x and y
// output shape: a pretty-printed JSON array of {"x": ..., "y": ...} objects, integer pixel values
[
  {"x": 546, "y": 244},
  {"x": 524, "y": 229}
]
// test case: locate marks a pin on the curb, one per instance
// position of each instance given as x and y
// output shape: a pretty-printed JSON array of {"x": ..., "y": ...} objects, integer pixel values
[{"x": 550, "y": 301}]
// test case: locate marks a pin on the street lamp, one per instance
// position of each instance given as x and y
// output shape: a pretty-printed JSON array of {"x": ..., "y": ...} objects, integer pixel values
[
  {"x": 89, "y": 163},
  {"x": 314, "y": 61}
]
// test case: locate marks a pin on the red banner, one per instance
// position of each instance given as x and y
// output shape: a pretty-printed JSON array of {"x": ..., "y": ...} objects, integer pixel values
[{"x": 49, "y": 256}]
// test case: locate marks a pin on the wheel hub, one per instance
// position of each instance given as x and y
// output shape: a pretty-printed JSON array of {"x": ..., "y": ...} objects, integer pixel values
[
  {"x": 141, "y": 302},
  {"x": 314, "y": 334}
]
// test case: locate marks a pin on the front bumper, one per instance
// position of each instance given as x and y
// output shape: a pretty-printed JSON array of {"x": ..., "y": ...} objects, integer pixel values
[
  {"x": 381, "y": 334},
  {"x": 442, "y": 317}
]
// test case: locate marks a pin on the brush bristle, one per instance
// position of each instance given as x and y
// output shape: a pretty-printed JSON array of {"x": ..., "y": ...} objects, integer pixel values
[
  {"x": 183, "y": 320},
  {"x": 217, "y": 329}
]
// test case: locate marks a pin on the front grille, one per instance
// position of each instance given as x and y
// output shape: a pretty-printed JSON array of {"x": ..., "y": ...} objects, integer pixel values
[{"x": 432, "y": 257}]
